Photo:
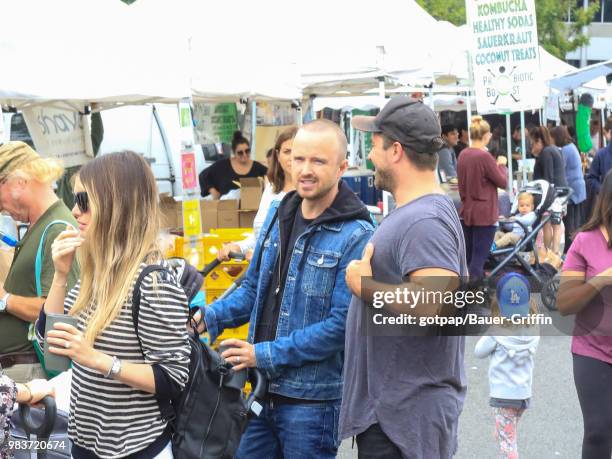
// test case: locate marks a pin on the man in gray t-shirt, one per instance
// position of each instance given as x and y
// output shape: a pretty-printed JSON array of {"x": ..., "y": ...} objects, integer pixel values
[{"x": 403, "y": 394}]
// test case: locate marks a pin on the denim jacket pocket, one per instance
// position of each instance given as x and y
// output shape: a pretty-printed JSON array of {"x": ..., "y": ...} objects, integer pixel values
[{"x": 319, "y": 273}]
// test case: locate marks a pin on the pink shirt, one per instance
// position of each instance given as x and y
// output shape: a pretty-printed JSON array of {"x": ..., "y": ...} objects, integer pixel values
[{"x": 589, "y": 253}]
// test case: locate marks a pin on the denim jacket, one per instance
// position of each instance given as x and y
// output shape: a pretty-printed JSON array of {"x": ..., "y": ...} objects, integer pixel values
[{"x": 305, "y": 360}]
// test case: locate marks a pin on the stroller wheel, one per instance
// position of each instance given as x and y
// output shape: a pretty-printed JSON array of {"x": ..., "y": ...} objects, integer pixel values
[{"x": 549, "y": 293}]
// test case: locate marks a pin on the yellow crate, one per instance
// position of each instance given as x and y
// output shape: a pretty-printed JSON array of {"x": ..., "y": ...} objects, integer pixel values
[
  {"x": 224, "y": 275},
  {"x": 236, "y": 233},
  {"x": 193, "y": 254},
  {"x": 213, "y": 294},
  {"x": 241, "y": 333},
  {"x": 212, "y": 243},
  {"x": 238, "y": 333}
]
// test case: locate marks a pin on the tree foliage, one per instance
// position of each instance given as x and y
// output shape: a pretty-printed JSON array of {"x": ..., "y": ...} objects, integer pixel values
[
  {"x": 445, "y": 10},
  {"x": 555, "y": 34}
]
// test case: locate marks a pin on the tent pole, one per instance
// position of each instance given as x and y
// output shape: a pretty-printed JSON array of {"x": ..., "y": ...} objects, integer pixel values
[
  {"x": 469, "y": 114},
  {"x": 431, "y": 100},
  {"x": 509, "y": 153},
  {"x": 253, "y": 127},
  {"x": 469, "y": 97},
  {"x": 523, "y": 148},
  {"x": 352, "y": 138},
  {"x": 167, "y": 149},
  {"x": 602, "y": 124},
  {"x": 381, "y": 87},
  {"x": 606, "y": 114},
  {"x": 298, "y": 115}
]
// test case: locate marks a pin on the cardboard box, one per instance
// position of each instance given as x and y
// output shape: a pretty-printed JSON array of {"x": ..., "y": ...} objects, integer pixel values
[
  {"x": 171, "y": 212},
  {"x": 227, "y": 216},
  {"x": 251, "y": 190},
  {"x": 215, "y": 214},
  {"x": 219, "y": 214},
  {"x": 246, "y": 218}
]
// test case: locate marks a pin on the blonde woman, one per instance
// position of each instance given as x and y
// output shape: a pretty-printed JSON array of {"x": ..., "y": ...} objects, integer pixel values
[
  {"x": 26, "y": 194},
  {"x": 479, "y": 178},
  {"x": 117, "y": 378}
]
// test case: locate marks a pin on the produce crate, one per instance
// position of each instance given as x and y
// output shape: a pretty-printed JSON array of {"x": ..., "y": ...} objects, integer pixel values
[
  {"x": 224, "y": 275},
  {"x": 238, "y": 333},
  {"x": 213, "y": 294},
  {"x": 213, "y": 242},
  {"x": 193, "y": 254}
]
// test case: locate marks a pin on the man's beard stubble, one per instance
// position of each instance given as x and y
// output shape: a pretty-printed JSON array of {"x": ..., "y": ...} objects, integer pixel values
[{"x": 384, "y": 181}]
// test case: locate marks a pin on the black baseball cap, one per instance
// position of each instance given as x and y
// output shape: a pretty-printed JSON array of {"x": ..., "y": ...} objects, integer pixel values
[{"x": 405, "y": 120}]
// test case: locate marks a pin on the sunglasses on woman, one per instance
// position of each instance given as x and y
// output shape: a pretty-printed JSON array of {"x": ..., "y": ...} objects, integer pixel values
[
  {"x": 82, "y": 201},
  {"x": 243, "y": 152}
]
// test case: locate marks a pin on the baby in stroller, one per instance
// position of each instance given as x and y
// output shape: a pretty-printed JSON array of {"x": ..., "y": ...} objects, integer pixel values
[
  {"x": 545, "y": 202},
  {"x": 521, "y": 222}
]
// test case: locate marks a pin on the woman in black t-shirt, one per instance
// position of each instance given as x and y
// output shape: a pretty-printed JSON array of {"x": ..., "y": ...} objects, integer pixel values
[{"x": 225, "y": 174}]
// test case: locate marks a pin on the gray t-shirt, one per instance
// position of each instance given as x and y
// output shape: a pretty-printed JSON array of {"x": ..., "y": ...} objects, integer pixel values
[{"x": 413, "y": 386}]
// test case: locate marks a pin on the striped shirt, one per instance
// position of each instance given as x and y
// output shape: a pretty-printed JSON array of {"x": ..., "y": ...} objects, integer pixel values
[{"x": 108, "y": 417}]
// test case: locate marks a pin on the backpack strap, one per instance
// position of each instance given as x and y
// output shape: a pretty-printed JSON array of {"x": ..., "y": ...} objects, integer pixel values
[
  {"x": 136, "y": 294},
  {"x": 39, "y": 254},
  {"x": 165, "y": 407}
]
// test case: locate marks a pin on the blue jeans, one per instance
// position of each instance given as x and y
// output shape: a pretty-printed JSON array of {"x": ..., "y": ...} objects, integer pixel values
[{"x": 308, "y": 430}]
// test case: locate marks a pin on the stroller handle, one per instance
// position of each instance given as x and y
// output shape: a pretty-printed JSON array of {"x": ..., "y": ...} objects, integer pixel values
[
  {"x": 259, "y": 384},
  {"x": 563, "y": 191},
  {"x": 44, "y": 429}
]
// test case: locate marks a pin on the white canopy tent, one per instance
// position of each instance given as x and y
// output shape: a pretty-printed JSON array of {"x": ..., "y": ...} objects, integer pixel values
[
  {"x": 156, "y": 53},
  {"x": 61, "y": 56},
  {"x": 590, "y": 77},
  {"x": 448, "y": 62},
  {"x": 334, "y": 62}
]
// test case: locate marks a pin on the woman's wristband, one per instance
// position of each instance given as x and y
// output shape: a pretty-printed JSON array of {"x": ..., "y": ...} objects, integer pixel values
[{"x": 60, "y": 279}]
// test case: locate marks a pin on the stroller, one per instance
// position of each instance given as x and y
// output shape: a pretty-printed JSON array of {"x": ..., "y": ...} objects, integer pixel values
[
  {"x": 549, "y": 203},
  {"x": 41, "y": 432}
]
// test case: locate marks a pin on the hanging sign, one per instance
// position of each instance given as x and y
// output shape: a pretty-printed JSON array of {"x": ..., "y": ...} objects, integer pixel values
[
  {"x": 505, "y": 55},
  {"x": 188, "y": 170},
  {"x": 214, "y": 123},
  {"x": 59, "y": 134},
  {"x": 552, "y": 106},
  {"x": 192, "y": 218}
]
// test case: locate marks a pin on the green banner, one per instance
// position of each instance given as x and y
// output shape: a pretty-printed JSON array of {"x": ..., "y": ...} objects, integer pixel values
[{"x": 214, "y": 123}]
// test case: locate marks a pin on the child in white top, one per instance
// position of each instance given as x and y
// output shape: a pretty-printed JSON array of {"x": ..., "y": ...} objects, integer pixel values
[{"x": 510, "y": 373}]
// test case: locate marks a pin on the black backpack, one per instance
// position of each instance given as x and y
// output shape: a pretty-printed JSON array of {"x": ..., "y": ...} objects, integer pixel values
[{"x": 210, "y": 415}]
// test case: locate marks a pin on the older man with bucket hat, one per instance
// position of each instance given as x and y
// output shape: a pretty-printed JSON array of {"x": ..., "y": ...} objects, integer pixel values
[{"x": 26, "y": 194}]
